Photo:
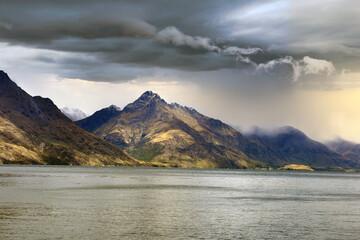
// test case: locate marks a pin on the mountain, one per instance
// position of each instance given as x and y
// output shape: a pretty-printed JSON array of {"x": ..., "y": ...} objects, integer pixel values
[
  {"x": 295, "y": 147},
  {"x": 154, "y": 131},
  {"x": 346, "y": 148},
  {"x": 33, "y": 130},
  {"x": 73, "y": 113},
  {"x": 98, "y": 118}
]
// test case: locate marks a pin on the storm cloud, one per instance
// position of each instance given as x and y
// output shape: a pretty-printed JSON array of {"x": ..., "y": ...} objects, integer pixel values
[{"x": 182, "y": 35}]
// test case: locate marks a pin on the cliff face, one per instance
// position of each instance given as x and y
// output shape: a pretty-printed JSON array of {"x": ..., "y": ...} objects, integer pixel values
[{"x": 33, "y": 130}]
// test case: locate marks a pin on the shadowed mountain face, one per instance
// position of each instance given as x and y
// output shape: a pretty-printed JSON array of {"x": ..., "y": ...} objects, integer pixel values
[
  {"x": 33, "y": 130},
  {"x": 152, "y": 130},
  {"x": 348, "y": 149},
  {"x": 295, "y": 147},
  {"x": 98, "y": 118}
]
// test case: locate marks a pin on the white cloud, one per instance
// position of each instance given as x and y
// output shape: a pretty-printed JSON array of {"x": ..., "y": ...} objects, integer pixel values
[
  {"x": 300, "y": 68},
  {"x": 239, "y": 52},
  {"x": 172, "y": 35},
  {"x": 233, "y": 50},
  {"x": 316, "y": 66}
]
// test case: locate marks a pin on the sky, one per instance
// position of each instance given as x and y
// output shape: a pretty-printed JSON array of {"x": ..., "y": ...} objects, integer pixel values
[{"x": 266, "y": 63}]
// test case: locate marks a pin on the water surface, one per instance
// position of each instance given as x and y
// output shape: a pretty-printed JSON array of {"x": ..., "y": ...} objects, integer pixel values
[{"x": 42, "y": 202}]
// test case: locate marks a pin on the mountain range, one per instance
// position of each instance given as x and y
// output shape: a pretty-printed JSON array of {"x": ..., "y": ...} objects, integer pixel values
[
  {"x": 151, "y": 132},
  {"x": 154, "y": 131},
  {"x": 294, "y": 147},
  {"x": 34, "y": 131}
]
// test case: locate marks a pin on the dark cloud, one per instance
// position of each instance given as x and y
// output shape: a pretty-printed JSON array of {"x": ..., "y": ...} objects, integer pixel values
[
  {"x": 89, "y": 67},
  {"x": 143, "y": 53},
  {"x": 85, "y": 28},
  {"x": 184, "y": 35},
  {"x": 118, "y": 31}
]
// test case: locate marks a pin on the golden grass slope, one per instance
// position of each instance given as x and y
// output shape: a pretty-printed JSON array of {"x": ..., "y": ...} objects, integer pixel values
[
  {"x": 297, "y": 167},
  {"x": 15, "y": 146}
]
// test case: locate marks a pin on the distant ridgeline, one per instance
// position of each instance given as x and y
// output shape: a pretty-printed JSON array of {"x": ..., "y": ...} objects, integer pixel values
[{"x": 34, "y": 131}]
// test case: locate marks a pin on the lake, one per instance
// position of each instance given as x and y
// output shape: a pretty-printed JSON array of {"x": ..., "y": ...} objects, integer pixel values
[{"x": 61, "y": 202}]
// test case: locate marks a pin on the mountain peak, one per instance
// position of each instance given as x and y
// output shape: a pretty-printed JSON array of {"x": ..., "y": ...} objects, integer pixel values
[
  {"x": 13, "y": 98},
  {"x": 98, "y": 118},
  {"x": 5, "y": 81},
  {"x": 288, "y": 129},
  {"x": 148, "y": 95},
  {"x": 8, "y": 87},
  {"x": 147, "y": 99},
  {"x": 114, "y": 108},
  {"x": 2, "y": 73}
]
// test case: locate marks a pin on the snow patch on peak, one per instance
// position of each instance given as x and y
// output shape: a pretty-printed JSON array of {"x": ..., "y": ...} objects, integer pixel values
[{"x": 73, "y": 113}]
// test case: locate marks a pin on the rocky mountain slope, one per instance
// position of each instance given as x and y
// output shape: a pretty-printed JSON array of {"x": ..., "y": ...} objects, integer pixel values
[
  {"x": 33, "y": 130},
  {"x": 154, "y": 131}
]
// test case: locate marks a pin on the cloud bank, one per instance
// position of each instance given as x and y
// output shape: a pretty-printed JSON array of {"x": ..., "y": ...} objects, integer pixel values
[{"x": 130, "y": 40}]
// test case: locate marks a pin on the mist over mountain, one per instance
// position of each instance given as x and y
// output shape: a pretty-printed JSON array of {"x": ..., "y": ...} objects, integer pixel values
[
  {"x": 297, "y": 148},
  {"x": 346, "y": 148}
]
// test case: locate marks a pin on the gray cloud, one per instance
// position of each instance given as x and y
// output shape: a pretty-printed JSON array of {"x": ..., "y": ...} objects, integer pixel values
[
  {"x": 85, "y": 28},
  {"x": 172, "y": 35},
  {"x": 214, "y": 34},
  {"x": 91, "y": 68}
]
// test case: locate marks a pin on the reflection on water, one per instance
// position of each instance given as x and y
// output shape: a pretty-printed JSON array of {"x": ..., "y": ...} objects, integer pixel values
[{"x": 139, "y": 203}]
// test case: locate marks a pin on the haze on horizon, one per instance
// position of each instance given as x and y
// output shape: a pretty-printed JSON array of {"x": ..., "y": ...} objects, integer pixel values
[{"x": 268, "y": 63}]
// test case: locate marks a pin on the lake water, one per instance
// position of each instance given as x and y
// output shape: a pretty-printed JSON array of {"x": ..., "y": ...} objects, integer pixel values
[{"x": 42, "y": 202}]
